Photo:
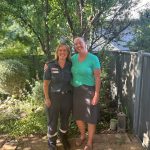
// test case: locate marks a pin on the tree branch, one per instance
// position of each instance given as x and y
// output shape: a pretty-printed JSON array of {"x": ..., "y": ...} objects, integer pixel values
[{"x": 66, "y": 14}]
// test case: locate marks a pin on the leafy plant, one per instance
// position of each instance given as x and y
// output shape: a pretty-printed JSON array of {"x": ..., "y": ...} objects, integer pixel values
[
  {"x": 35, "y": 123},
  {"x": 20, "y": 118},
  {"x": 37, "y": 91},
  {"x": 141, "y": 29},
  {"x": 13, "y": 75}
]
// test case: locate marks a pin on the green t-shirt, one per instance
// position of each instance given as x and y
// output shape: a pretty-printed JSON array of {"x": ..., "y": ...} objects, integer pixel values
[{"x": 83, "y": 72}]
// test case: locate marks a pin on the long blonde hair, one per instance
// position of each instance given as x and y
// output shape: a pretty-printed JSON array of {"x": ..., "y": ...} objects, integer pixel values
[{"x": 67, "y": 48}]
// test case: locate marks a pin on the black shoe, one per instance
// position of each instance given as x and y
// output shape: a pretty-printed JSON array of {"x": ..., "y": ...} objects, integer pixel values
[
  {"x": 52, "y": 143},
  {"x": 52, "y": 146},
  {"x": 64, "y": 140}
]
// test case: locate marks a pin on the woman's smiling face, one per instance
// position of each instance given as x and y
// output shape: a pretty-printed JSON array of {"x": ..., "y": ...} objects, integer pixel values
[
  {"x": 62, "y": 52},
  {"x": 79, "y": 45}
]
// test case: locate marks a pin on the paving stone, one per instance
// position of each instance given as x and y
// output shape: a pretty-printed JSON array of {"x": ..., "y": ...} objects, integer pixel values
[
  {"x": 10, "y": 145},
  {"x": 33, "y": 143},
  {"x": 133, "y": 138},
  {"x": 118, "y": 138},
  {"x": 117, "y": 141},
  {"x": 125, "y": 147},
  {"x": 2, "y": 140},
  {"x": 100, "y": 138},
  {"x": 101, "y": 146}
]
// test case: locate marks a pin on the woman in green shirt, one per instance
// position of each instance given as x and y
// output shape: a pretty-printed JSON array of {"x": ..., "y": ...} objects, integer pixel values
[{"x": 86, "y": 81}]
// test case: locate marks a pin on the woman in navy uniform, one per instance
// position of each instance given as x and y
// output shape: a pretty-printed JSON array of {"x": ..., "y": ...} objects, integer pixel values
[{"x": 58, "y": 95}]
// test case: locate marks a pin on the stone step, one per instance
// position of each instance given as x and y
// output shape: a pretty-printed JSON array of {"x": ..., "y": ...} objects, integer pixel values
[
  {"x": 10, "y": 145},
  {"x": 101, "y": 142},
  {"x": 2, "y": 140}
]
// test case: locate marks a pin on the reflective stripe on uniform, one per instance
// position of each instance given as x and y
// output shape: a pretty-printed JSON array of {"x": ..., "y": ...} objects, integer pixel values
[
  {"x": 50, "y": 136},
  {"x": 63, "y": 131}
]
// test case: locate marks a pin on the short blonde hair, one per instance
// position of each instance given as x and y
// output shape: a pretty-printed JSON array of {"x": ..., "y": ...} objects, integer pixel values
[
  {"x": 67, "y": 48},
  {"x": 79, "y": 38}
]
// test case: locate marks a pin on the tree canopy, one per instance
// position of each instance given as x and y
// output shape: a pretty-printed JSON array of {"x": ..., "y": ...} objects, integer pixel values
[
  {"x": 49, "y": 21},
  {"x": 142, "y": 33}
]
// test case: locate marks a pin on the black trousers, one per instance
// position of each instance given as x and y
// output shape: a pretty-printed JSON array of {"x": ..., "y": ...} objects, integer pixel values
[{"x": 61, "y": 107}]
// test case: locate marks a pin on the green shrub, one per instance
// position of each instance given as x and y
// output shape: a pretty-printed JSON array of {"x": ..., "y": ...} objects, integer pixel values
[
  {"x": 13, "y": 76},
  {"x": 37, "y": 91},
  {"x": 20, "y": 118},
  {"x": 34, "y": 123}
]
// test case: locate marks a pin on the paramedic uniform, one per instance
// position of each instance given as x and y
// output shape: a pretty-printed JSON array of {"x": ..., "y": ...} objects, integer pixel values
[{"x": 60, "y": 93}]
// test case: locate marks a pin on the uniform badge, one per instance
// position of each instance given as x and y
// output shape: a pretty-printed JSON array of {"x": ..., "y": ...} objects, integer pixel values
[{"x": 54, "y": 70}]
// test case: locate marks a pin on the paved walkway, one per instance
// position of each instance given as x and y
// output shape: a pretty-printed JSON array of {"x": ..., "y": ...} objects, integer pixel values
[{"x": 117, "y": 141}]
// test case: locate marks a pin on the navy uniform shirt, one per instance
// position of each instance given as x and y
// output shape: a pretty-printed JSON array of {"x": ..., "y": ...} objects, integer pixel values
[{"x": 60, "y": 78}]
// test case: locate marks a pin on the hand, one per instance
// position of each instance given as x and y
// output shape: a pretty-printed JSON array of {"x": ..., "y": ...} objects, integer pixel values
[
  {"x": 47, "y": 102},
  {"x": 45, "y": 67},
  {"x": 95, "y": 100}
]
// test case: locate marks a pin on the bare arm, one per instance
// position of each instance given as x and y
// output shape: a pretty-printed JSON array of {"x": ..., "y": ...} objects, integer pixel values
[
  {"x": 97, "y": 73},
  {"x": 45, "y": 89}
]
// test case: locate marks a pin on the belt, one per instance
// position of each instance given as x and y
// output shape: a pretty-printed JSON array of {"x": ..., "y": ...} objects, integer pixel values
[{"x": 63, "y": 92}]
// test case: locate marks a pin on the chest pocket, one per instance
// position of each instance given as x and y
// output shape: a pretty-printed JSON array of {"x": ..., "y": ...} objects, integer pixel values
[{"x": 55, "y": 74}]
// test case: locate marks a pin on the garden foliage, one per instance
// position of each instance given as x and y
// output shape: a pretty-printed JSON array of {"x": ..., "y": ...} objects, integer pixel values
[{"x": 13, "y": 75}]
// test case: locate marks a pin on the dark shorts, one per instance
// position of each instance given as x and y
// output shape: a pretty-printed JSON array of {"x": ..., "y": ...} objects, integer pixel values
[{"x": 82, "y": 108}]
